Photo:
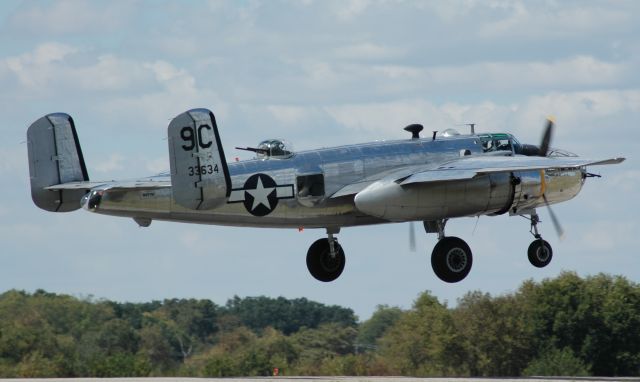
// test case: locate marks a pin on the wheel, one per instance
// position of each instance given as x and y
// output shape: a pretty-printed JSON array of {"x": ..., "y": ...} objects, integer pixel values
[
  {"x": 322, "y": 266},
  {"x": 540, "y": 253},
  {"x": 451, "y": 259}
]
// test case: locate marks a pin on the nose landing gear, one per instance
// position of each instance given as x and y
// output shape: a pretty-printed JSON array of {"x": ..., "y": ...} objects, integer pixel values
[{"x": 540, "y": 252}]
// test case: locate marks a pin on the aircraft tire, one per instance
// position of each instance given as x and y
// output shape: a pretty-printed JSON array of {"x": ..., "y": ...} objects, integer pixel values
[
  {"x": 451, "y": 259},
  {"x": 540, "y": 253},
  {"x": 320, "y": 263}
]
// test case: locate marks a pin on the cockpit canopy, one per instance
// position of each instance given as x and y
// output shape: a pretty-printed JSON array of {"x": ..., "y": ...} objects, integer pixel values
[
  {"x": 498, "y": 142},
  {"x": 507, "y": 142},
  {"x": 274, "y": 148}
]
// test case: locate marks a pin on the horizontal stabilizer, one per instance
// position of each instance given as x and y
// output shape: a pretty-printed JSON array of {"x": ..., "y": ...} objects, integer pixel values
[{"x": 123, "y": 185}]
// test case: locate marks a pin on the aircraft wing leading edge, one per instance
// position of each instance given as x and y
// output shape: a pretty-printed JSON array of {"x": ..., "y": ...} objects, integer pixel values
[{"x": 468, "y": 168}]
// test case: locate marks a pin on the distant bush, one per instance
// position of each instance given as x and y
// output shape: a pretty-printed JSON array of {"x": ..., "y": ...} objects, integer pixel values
[{"x": 558, "y": 363}]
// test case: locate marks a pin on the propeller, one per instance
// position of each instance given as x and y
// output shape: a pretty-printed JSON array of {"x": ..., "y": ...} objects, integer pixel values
[
  {"x": 544, "y": 149},
  {"x": 554, "y": 219},
  {"x": 412, "y": 236},
  {"x": 546, "y": 138}
]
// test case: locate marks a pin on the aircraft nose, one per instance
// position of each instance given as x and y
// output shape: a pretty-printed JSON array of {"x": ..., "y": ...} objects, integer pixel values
[{"x": 91, "y": 200}]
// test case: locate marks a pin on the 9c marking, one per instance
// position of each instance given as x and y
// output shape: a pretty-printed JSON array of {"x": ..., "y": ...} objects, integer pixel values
[{"x": 189, "y": 135}]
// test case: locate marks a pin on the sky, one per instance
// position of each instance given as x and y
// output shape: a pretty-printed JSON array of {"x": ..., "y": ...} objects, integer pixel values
[{"x": 317, "y": 73}]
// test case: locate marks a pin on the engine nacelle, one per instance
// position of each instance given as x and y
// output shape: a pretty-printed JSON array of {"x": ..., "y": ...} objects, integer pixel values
[
  {"x": 486, "y": 194},
  {"x": 490, "y": 194}
]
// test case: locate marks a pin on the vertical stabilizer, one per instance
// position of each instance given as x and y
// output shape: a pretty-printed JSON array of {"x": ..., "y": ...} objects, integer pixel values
[
  {"x": 199, "y": 175},
  {"x": 55, "y": 158}
]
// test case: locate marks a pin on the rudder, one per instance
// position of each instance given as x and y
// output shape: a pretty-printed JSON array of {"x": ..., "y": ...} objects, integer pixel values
[
  {"x": 199, "y": 174},
  {"x": 55, "y": 157}
]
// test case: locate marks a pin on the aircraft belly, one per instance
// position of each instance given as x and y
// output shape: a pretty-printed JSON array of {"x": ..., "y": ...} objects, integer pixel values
[{"x": 158, "y": 205}]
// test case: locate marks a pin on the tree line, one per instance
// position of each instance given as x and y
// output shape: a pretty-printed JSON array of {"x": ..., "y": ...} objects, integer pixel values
[{"x": 568, "y": 325}]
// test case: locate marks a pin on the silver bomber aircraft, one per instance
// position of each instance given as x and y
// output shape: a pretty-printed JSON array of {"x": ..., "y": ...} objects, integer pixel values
[{"x": 429, "y": 179}]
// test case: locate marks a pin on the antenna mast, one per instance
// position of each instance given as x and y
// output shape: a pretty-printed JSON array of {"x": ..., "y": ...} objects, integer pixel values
[{"x": 473, "y": 127}]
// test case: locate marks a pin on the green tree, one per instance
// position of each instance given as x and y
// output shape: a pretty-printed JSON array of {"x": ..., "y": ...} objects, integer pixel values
[
  {"x": 494, "y": 334},
  {"x": 287, "y": 316},
  {"x": 317, "y": 346},
  {"x": 371, "y": 330},
  {"x": 424, "y": 341},
  {"x": 597, "y": 318}
]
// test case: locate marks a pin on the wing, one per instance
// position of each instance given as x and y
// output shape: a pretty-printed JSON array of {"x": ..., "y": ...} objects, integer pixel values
[
  {"x": 355, "y": 187},
  {"x": 470, "y": 167}
]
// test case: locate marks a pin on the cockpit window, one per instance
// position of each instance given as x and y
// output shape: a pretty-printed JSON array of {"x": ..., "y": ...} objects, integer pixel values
[
  {"x": 560, "y": 153},
  {"x": 497, "y": 142},
  {"x": 274, "y": 148}
]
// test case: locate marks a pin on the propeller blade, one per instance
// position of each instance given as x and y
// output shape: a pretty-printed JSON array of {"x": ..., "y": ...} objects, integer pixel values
[
  {"x": 554, "y": 218},
  {"x": 412, "y": 236},
  {"x": 546, "y": 138}
]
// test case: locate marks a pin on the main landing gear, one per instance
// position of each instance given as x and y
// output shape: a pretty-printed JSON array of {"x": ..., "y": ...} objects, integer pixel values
[
  {"x": 451, "y": 258},
  {"x": 540, "y": 252},
  {"x": 325, "y": 258}
]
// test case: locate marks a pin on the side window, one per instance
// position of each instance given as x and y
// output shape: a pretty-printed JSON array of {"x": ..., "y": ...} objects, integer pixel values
[
  {"x": 490, "y": 144},
  {"x": 310, "y": 186}
]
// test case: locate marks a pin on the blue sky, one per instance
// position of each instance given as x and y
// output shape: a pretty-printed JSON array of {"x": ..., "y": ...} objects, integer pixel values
[{"x": 318, "y": 73}]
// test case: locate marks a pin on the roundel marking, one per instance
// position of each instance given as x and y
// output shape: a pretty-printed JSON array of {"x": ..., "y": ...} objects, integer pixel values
[{"x": 260, "y": 194}]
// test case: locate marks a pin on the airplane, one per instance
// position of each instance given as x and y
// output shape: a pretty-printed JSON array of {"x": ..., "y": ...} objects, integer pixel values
[{"x": 429, "y": 179}]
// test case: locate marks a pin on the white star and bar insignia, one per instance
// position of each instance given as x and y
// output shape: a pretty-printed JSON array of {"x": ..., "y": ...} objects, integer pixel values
[{"x": 260, "y": 194}]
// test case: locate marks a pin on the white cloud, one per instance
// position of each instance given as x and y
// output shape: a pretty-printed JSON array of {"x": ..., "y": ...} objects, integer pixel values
[
  {"x": 172, "y": 77},
  {"x": 158, "y": 165},
  {"x": 290, "y": 115},
  {"x": 386, "y": 119},
  {"x": 576, "y": 113},
  {"x": 50, "y": 70},
  {"x": 113, "y": 163},
  {"x": 155, "y": 109},
  {"x": 368, "y": 51},
  {"x": 34, "y": 68},
  {"x": 580, "y": 114},
  {"x": 69, "y": 17},
  {"x": 347, "y": 10},
  {"x": 577, "y": 71}
]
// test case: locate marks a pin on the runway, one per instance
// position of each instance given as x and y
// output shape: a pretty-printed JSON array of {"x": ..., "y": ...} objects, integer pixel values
[{"x": 328, "y": 379}]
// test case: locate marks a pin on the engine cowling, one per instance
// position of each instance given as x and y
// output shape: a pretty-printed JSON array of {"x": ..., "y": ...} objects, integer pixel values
[{"x": 489, "y": 194}]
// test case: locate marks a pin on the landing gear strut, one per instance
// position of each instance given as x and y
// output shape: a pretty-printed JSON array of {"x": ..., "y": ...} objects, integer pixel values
[
  {"x": 539, "y": 252},
  {"x": 451, "y": 258},
  {"x": 325, "y": 258}
]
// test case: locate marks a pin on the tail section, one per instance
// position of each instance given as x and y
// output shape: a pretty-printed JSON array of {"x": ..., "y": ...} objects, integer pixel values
[
  {"x": 55, "y": 158},
  {"x": 199, "y": 174}
]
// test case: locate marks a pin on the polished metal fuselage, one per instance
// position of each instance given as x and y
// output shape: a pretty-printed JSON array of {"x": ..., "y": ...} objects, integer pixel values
[{"x": 346, "y": 166}]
